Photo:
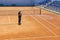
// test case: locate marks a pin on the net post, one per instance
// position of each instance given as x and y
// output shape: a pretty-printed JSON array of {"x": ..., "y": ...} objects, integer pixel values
[{"x": 40, "y": 11}]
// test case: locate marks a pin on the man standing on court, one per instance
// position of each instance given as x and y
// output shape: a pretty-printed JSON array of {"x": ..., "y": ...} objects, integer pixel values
[{"x": 19, "y": 18}]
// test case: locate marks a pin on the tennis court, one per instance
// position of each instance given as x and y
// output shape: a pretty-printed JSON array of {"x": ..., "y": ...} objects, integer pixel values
[{"x": 34, "y": 26}]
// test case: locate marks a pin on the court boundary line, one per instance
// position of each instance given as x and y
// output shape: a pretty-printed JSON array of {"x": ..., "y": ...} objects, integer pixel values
[
  {"x": 9, "y": 20},
  {"x": 44, "y": 26},
  {"x": 50, "y": 22},
  {"x": 38, "y": 37}
]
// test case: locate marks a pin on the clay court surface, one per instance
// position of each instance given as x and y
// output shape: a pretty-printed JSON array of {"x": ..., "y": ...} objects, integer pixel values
[{"x": 34, "y": 27}]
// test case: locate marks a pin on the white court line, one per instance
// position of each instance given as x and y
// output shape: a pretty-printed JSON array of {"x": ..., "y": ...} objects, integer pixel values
[
  {"x": 36, "y": 37},
  {"x": 45, "y": 20},
  {"x": 44, "y": 37},
  {"x": 9, "y": 20},
  {"x": 44, "y": 26},
  {"x": 50, "y": 22}
]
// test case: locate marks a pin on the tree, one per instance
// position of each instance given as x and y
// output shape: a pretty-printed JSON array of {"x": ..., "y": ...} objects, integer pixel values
[{"x": 1, "y": 4}]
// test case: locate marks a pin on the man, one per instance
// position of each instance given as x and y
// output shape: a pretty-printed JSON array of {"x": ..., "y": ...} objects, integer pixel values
[{"x": 19, "y": 18}]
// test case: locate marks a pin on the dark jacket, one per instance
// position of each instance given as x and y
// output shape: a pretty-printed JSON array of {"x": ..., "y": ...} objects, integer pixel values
[{"x": 19, "y": 13}]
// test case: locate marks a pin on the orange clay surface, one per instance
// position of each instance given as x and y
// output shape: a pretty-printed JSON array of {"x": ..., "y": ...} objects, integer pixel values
[{"x": 33, "y": 27}]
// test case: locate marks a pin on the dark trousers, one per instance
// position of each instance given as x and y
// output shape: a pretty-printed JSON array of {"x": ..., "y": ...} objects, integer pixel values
[{"x": 19, "y": 20}]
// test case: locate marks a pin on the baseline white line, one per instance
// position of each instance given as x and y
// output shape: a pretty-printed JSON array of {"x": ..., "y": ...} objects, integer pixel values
[
  {"x": 44, "y": 26},
  {"x": 37, "y": 37},
  {"x": 9, "y": 20},
  {"x": 49, "y": 22}
]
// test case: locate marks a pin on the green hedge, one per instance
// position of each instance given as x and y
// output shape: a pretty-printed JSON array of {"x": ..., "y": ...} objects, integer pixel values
[
  {"x": 13, "y": 5},
  {"x": 1, "y": 4}
]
